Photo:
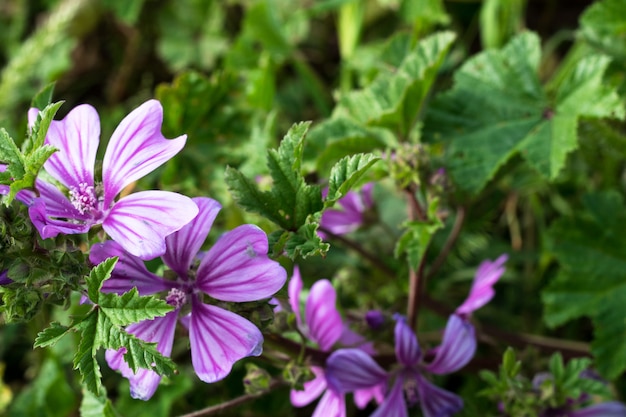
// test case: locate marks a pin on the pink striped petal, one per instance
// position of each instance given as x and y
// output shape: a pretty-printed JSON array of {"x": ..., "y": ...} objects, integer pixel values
[
  {"x": 349, "y": 370},
  {"x": 487, "y": 274},
  {"x": 220, "y": 338},
  {"x": 144, "y": 383},
  {"x": 363, "y": 396},
  {"x": 137, "y": 147},
  {"x": 322, "y": 318},
  {"x": 394, "y": 404},
  {"x": 129, "y": 271},
  {"x": 237, "y": 268},
  {"x": 312, "y": 389},
  {"x": 437, "y": 402},
  {"x": 331, "y": 404},
  {"x": 140, "y": 221},
  {"x": 457, "y": 347},
  {"x": 408, "y": 349},
  {"x": 48, "y": 228},
  {"x": 76, "y": 137},
  {"x": 608, "y": 409},
  {"x": 58, "y": 205},
  {"x": 294, "y": 289},
  {"x": 183, "y": 246}
]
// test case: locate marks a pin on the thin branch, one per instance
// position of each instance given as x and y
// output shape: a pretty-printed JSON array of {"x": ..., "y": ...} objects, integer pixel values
[
  {"x": 370, "y": 257},
  {"x": 450, "y": 241},
  {"x": 216, "y": 409},
  {"x": 416, "y": 276}
]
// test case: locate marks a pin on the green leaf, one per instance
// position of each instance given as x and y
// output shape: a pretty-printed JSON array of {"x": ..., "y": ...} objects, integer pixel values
[
  {"x": 43, "y": 97},
  {"x": 38, "y": 132},
  {"x": 497, "y": 108},
  {"x": 97, "y": 276},
  {"x": 338, "y": 137},
  {"x": 96, "y": 406},
  {"x": 603, "y": 25},
  {"x": 51, "y": 335},
  {"x": 346, "y": 173},
  {"x": 591, "y": 251},
  {"x": 291, "y": 200},
  {"x": 85, "y": 356},
  {"x": 139, "y": 354},
  {"x": 415, "y": 240},
  {"x": 305, "y": 242},
  {"x": 397, "y": 95},
  {"x": 131, "y": 308},
  {"x": 10, "y": 154}
]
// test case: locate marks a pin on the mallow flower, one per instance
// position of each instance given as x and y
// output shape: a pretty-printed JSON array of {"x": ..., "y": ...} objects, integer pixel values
[
  {"x": 322, "y": 324},
  {"x": 140, "y": 221},
  {"x": 348, "y": 215},
  {"x": 352, "y": 369},
  {"x": 235, "y": 269}
]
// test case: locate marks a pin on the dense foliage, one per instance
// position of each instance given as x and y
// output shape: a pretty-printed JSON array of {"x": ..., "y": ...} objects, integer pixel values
[{"x": 380, "y": 168}]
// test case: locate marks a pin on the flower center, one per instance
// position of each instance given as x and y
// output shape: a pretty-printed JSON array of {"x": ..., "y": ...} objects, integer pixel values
[
  {"x": 83, "y": 198},
  {"x": 410, "y": 392},
  {"x": 176, "y": 298}
]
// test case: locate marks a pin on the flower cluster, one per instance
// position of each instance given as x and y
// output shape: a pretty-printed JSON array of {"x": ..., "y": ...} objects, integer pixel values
[{"x": 148, "y": 224}]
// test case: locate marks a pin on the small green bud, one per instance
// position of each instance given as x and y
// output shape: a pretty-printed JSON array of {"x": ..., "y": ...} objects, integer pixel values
[{"x": 257, "y": 380}]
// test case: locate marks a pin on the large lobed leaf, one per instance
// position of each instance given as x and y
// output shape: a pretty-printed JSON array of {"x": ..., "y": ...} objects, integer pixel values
[
  {"x": 591, "y": 250},
  {"x": 497, "y": 108},
  {"x": 603, "y": 25}
]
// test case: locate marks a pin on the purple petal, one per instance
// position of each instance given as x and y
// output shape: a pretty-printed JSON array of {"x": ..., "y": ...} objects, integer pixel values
[
  {"x": 220, "y": 338},
  {"x": 58, "y": 205},
  {"x": 407, "y": 348},
  {"x": 4, "y": 278},
  {"x": 608, "y": 409},
  {"x": 457, "y": 347},
  {"x": 331, "y": 404},
  {"x": 76, "y": 137},
  {"x": 129, "y": 271},
  {"x": 144, "y": 383},
  {"x": 437, "y": 402},
  {"x": 48, "y": 228},
  {"x": 322, "y": 318},
  {"x": 32, "y": 116},
  {"x": 394, "y": 404},
  {"x": 363, "y": 396},
  {"x": 340, "y": 222},
  {"x": 136, "y": 148},
  {"x": 294, "y": 289},
  {"x": 348, "y": 370},
  {"x": 140, "y": 222},
  {"x": 487, "y": 274},
  {"x": 237, "y": 268},
  {"x": 312, "y": 389},
  {"x": 183, "y": 246}
]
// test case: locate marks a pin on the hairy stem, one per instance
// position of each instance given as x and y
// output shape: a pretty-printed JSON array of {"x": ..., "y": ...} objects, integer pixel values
[{"x": 450, "y": 241}]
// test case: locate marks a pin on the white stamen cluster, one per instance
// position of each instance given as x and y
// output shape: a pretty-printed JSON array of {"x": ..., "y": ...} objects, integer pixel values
[
  {"x": 83, "y": 198},
  {"x": 176, "y": 298}
]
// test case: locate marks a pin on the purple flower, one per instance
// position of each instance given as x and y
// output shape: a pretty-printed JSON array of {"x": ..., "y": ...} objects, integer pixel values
[
  {"x": 322, "y": 324},
  {"x": 349, "y": 216},
  {"x": 4, "y": 278},
  {"x": 487, "y": 274},
  {"x": 353, "y": 369},
  {"x": 138, "y": 222},
  {"x": 608, "y": 409},
  {"x": 235, "y": 269}
]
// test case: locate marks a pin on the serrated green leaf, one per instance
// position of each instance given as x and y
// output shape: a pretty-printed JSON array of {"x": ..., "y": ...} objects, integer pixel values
[
  {"x": 96, "y": 406},
  {"x": 603, "y": 25},
  {"x": 131, "y": 308},
  {"x": 591, "y": 251},
  {"x": 43, "y": 97},
  {"x": 305, "y": 242},
  {"x": 38, "y": 131},
  {"x": 336, "y": 138},
  {"x": 139, "y": 354},
  {"x": 291, "y": 200},
  {"x": 497, "y": 108},
  {"x": 85, "y": 356},
  {"x": 415, "y": 240},
  {"x": 346, "y": 173},
  {"x": 395, "y": 98},
  {"x": 51, "y": 335},
  {"x": 11, "y": 155},
  {"x": 97, "y": 276}
]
